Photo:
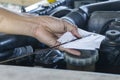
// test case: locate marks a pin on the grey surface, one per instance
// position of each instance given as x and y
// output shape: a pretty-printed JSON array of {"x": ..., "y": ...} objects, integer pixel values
[{"x": 33, "y": 73}]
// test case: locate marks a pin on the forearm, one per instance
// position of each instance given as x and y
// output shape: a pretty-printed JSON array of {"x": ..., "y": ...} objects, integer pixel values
[{"x": 13, "y": 23}]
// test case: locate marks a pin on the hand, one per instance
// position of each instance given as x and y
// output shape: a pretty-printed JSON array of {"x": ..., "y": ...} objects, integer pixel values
[
  {"x": 46, "y": 29},
  {"x": 51, "y": 28}
]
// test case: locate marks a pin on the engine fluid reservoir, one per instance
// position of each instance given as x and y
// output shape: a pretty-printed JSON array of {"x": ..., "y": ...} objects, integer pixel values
[
  {"x": 85, "y": 62},
  {"x": 109, "y": 57}
]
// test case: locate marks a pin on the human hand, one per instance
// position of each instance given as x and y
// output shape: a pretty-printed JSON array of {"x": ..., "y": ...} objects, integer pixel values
[
  {"x": 51, "y": 28},
  {"x": 45, "y": 28}
]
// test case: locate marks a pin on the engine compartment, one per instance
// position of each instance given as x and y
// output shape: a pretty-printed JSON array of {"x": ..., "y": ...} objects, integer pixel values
[{"x": 100, "y": 17}]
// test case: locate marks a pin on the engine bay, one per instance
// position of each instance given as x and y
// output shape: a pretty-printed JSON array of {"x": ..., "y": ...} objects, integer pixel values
[{"x": 98, "y": 16}]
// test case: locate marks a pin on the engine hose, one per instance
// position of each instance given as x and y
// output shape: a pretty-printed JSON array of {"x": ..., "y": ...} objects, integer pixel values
[
  {"x": 101, "y": 6},
  {"x": 81, "y": 16},
  {"x": 8, "y": 42},
  {"x": 60, "y": 11}
]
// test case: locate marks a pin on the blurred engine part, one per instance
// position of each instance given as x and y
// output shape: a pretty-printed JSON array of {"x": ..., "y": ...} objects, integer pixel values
[
  {"x": 39, "y": 4},
  {"x": 85, "y": 62},
  {"x": 81, "y": 16},
  {"x": 100, "y": 20},
  {"x": 26, "y": 56},
  {"x": 50, "y": 58},
  {"x": 43, "y": 10},
  {"x": 109, "y": 51},
  {"x": 77, "y": 17},
  {"x": 8, "y": 42},
  {"x": 115, "y": 25},
  {"x": 26, "y": 61},
  {"x": 106, "y": 17},
  {"x": 60, "y": 11},
  {"x": 78, "y": 3},
  {"x": 109, "y": 60}
]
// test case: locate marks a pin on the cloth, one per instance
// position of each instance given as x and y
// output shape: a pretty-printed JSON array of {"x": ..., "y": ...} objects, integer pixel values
[{"x": 88, "y": 40}]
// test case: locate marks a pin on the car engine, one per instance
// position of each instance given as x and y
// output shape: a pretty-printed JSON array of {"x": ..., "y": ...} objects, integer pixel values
[{"x": 98, "y": 16}]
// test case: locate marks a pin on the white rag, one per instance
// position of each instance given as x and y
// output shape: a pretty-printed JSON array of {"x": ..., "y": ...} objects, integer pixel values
[{"x": 89, "y": 40}]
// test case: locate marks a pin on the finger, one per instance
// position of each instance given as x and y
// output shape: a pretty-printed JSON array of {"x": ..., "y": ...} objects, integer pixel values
[
  {"x": 71, "y": 28},
  {"x": 70, "y": 51}
]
